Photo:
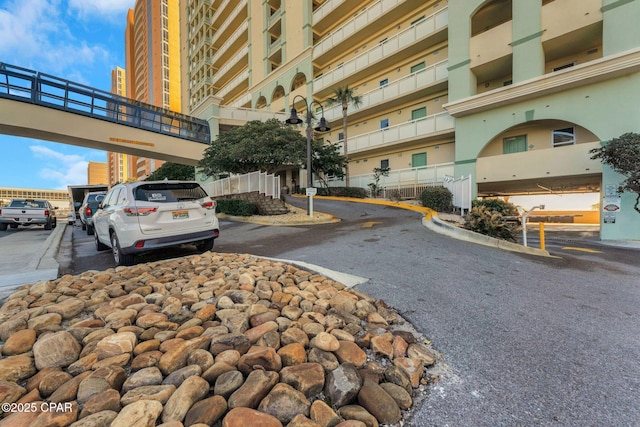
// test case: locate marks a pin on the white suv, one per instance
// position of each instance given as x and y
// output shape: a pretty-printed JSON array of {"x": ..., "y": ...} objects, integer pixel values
[{"x": 136, "y": 217}]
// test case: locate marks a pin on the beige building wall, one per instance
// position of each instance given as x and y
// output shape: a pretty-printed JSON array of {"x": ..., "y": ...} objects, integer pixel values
[{"x": 97, "y": 173}]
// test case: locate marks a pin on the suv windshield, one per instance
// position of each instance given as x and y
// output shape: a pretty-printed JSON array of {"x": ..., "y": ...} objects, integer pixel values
[{"x": 169, "y": 192}]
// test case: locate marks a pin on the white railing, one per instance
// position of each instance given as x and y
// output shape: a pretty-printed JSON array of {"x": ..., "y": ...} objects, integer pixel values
[
  {"x": 225, "y": 47},
  {"x": 405, "y": 183},
  {"x": 325, "y": 9},
  {"x": 396, "y": 88},
  {"x": 394, "y": 134},
  {"x": 242, "y": 4},
  {"x": 229, "y": 64},
  {"x": 402, "y": 40},
  {"x": 263, "y": 183},
  {"x": 461, "y": 190},
  {"x": 244, "y": 75}
]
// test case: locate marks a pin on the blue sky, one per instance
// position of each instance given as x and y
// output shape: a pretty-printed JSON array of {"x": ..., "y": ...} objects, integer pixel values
[{"x": 78, "y": 40}]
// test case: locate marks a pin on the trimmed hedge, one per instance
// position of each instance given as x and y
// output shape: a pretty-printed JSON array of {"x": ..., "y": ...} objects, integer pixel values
[
  {"x": 236, "y": 207},
  {"x": 437, "y": 198},
  {"x": 357, "y": 192}
]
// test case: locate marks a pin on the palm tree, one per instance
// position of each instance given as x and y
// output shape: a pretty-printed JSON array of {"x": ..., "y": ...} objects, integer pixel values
[{"x": 345, "y": 95}]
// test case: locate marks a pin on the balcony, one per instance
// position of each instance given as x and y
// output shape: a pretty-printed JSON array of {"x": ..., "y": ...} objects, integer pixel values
[
  {"x": 231, "y": 21},
  {"x": 233, "y": 40},
  {"x": 235, "y": 63},
  {"x": 398, "y": 134},
  {"x": 396, "y": 89},
  {"x": 491, "y": 45},
  {"x": 233, "y": 85},
  {"x": 570, "y": 160},
  {"x": 248, "y": 114},
  {"x": 413, "y": 36}
]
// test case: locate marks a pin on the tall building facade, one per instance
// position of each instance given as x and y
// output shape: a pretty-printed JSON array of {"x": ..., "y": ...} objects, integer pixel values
[
  {"x": 120, "y": 167},
  {"x": 97, "y": 173},
  {"x": 513, "y": 94},
  {"x": 152, "y": 56}
]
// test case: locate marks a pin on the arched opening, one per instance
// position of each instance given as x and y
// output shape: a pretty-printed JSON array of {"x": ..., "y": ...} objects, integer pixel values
[
  {"x": 261, "y": 103},
  {"x": 277, "y": 99},
  {"x": 490, "y": 15}
]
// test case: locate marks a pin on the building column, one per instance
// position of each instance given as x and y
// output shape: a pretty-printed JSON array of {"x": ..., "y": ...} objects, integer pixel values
[{"x": 528, "y": 54}]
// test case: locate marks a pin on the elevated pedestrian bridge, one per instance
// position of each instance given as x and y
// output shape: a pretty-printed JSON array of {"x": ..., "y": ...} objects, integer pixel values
[{"x": 41, "y": 106}]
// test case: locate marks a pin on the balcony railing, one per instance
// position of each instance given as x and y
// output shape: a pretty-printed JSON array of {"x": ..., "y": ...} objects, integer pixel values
[
  {"x": 220, "y": 32},
  {"x": 391, "y": 46},
  {"x": 232, "y": 39},
  {"x": 404, "y": 131},
  {"x": 325, "y": 9},
  {"x": 418, "y": 80},
  {"x": 248, "y": 114},
  {"x": 362, "y": 19},
  {"x": 231, "y": 63},
  {"x": 233, "y": 83}
]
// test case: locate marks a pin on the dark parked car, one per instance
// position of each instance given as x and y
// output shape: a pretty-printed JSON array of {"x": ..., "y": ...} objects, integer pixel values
[{"x": 89, "y": 206}]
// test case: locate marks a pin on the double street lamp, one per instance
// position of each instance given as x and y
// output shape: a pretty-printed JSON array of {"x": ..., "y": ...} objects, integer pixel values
[{"x": 322, "y": 127}]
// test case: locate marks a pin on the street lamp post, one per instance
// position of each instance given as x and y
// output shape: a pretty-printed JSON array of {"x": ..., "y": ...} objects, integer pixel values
[{"x": 322, "y": 127}]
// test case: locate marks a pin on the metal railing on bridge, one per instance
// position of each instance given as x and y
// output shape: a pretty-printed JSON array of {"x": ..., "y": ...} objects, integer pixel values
[{"x": 38, "y": 88}]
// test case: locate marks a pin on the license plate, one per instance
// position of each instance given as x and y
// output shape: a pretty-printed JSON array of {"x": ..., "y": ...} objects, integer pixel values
[{"x": 180, "y": 214}]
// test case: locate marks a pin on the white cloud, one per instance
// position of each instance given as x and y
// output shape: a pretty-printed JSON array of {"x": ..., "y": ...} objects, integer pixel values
[
  {"x": 60, "y": 170},
  {"x": 101, "y": 8}
]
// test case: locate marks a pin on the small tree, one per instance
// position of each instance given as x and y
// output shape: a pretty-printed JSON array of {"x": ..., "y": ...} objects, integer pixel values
[
  {"x": 173, "y": 171},
  {"x": 375, "y": 185},
  {"x": 327, "y": 161},
  {"x": 344, "y": 96},
  {"x": 622, "y": 154}
]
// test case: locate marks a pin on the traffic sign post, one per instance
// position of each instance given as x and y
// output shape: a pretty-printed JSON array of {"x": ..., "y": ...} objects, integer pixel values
[{"x": 311, "y": 191}]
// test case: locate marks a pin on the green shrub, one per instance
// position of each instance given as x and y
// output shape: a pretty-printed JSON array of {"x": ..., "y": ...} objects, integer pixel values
[
  {"x": 236, "y": 207},
  {"x": 484, "y": 221},
  {"x": 497, "y": 205},
  {"x": 357, "y": 192},
  {"x": 437, "y": 198}
]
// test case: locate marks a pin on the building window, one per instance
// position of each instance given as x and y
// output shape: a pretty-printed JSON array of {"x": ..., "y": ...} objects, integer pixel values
[
  {"x": 384, "y": 164},
  {"x": 419, "y": 113},
  {"x": 562, "y": 137},
  {"x": 417, "y": 67},
  {"x": 514, "y": 144},
  {"x": 340, "y": 136},
  {"x": 562, "y": 67},
  {"x": 384, "y": 82},
  {"x": 384, "y": 123},
  {"x": 419, "y": 160}
]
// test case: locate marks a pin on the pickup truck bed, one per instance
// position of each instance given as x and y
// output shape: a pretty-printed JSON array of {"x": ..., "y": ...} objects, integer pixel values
[{"x": 28, "y": 212}]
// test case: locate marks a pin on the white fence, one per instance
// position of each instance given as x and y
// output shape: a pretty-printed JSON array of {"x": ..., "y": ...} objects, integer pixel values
[
  {"x": 461, "y": 190},
  {"x": 264, "y": 183},
  {"x": 402, "y": 183}
]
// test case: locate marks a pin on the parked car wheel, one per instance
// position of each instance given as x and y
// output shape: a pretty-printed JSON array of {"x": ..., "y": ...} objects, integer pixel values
[
  {"x": 205, "y": 246},
  {"x": 99, "y": 245},
  {"x": 118, "y": 256},
  {"x": 84, "y": 226},
  {"x": 55, "y": 222},
  {"x": 13, "y": 225},
  {"x": 48, "y": 225},
  {"x": 3, "y": 227},
  {"x": 89, "y": 230}
]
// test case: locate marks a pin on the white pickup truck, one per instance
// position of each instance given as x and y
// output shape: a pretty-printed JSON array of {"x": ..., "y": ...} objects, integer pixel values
[{"x": 28, "y": 212}]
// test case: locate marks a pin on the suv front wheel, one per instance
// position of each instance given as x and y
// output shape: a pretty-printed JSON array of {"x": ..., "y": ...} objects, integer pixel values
[{"x": 118, "y": 256}]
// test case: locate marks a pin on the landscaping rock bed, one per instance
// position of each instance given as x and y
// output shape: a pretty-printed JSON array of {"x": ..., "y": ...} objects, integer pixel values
[{"x": 206, "y": 340}]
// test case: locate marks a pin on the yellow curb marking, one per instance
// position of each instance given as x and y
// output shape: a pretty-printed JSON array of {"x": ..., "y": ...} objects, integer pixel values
[
  {"x": 591, "y": 251},
  {"x": 369, "y": 224}
]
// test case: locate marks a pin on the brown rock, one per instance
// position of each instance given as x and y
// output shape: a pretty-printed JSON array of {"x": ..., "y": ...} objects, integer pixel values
[
  {"x": 358, "y": 413},
  {"x": 207, "y": 411},
  {"x": 400, "y": 395},
  {"x": 412, "y": 367},
  {"x": 328, "y": 360},
  {"x": 302, "y": 421},
  {"x": 238, "y": 342},
  {"x": 351, "y": 353},
  {"x": 227, "y": 383},
  {"x": 294, "y": 335},
  {"x": 206, "y": 313},
  {"x": 143, "y": 413},
  {"x": 10, "y": 391},
  {"x": 17, "y": 368},
  {"x": 322, "y": 413},
  {"x": 160, "y": 393},
  {"x": 145, "y": 360},
  {"x": 243, "y": 417},
  {"x": 307, "y": 378},
  {"x": 68, "y": 308},
  {"x": 260, "y": 356},
  {"x": 399, "y": 346},
  {"x": 52, "y": 381},
  {"x": 255, "y": 388},
  {"x": 19, "y": 342},
  {"x": 292, "y": 354},
  {"x": 56, "y": 415},
  {"x": 342, "y": 384},
  {"x": 83, "y": 364},
  {"x": 284, "y": 402},
  {"x": 100, "y": 419},
  {"x": 377, "y": 401},
  {"x": 192, "y": 390},
  {"x": 178, "y": 376},
  {"x": 145, "y": 376},
  {"x": 325, "y": 342},
  {"x": 418, "y": 351},
  {"x": 116, "y": 344},
  {"x": 43, "y": 321},
  {"x": 121, "y": 360},
  {"x": 106, "y": 401},
  {"x": 69, "y": 390},
  {"x": 381, "y": 345},
  {"x": 10, "y": 327},
  {"x": 217, "y": 369},
  {"x": 56, "y": 349},
  {"x": 255, "y": 333},
  {"x": 202, "y": 358},
  {"x": 144, "y": 346}
]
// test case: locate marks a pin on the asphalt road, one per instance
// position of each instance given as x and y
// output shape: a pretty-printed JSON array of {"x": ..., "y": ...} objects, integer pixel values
[{"x": 525, "y": 340}]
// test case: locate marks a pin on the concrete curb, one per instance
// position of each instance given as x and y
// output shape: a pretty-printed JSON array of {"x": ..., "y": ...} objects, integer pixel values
[
  {"x": 43, "y": 264},
  {"x": 330, "y": 219}
]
